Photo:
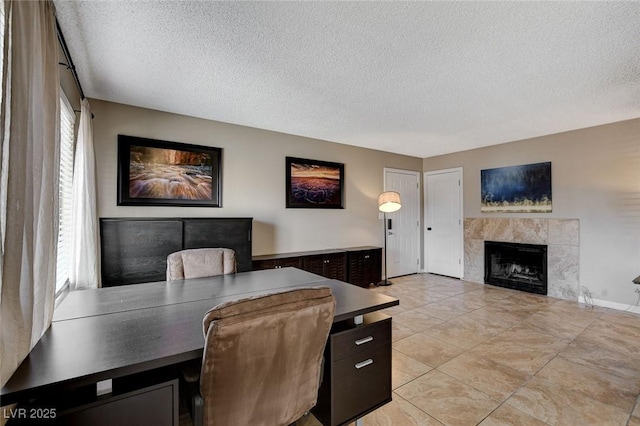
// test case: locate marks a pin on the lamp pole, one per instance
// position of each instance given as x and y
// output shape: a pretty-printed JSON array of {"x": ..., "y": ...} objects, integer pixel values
[
  {"x": 386, "y": 281},
  {"x": 388, "y": 202}
]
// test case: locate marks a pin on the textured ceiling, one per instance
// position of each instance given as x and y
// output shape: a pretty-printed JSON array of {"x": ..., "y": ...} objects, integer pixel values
[{"x": 416, "y": 78}]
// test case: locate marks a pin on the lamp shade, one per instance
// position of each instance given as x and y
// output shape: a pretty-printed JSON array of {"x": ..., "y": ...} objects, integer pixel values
[{"x": 389, "y": 202}]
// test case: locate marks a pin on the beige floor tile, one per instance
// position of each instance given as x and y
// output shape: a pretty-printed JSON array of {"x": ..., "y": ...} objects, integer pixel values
[
  {"x": 496, "y": 380},
  {"x": 627, "y": 347},
  {"x": 404, "y": 369},
  {"x": 462, "y": 301},
  {"x": 410, "y": 301},
  {"x": 626, "y": 336},
  {"x": 559, "y": 406},
  {"x": 606, "y": 388},
  {"x": 427, "y": 350},
  {"x": 448, "y": 400},
  {"x": 510, "y": 354},
  {"x": 416, "y": 320},
  {"x": 506, "y": 415},
  {"x": 495, "y": 293},
  {"x": 427, "y": 296},
  {"x": 533, "y": 339},
  {"x": 394, "y": 290},
  {"x": 464, "y": 331},
  {"x": 443, "y": 311},
  {"x": 399, "y": 412},
  {"x": 448, "y": 289},
  {"x": 516, "y": 306},
  {"x": 399, "y": 331},
  {"x": 620, "y": 317},
  {"x": 471, "y": 286},
  {"x": 590, "y": 354},
  {"x": 578, "y": 317},
  {"x": 496, "y": 313},
  {"x": 529, "y": 299},
  {"x": 585, "y": 360},
  {"x": 539, "y": 322},
  {"x": 415, "y": 285}
]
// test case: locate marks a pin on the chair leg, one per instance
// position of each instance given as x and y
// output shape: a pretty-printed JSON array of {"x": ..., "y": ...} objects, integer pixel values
[{"x": 197, "y": 409}]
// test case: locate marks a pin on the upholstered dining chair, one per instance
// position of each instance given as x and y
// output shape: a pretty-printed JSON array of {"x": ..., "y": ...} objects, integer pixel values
[
  {"x": 262, "y": 358},
  {"x": 202, "y": 262}
]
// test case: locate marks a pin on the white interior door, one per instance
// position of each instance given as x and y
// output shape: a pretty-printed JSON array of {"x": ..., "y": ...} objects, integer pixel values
[
  {"x": 403, "y": 236},
  {"x": 443, "y": 234}
]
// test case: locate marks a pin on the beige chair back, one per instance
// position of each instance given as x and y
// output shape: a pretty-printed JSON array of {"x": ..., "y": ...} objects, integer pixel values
[
  {"x": 203, "y": 262},
  {"x": 262, "y": 357}
]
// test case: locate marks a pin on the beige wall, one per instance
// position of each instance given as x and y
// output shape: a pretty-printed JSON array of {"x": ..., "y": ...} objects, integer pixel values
[
  {"x": 595, "y": 178},
  {"x": 253, "y": 168}
]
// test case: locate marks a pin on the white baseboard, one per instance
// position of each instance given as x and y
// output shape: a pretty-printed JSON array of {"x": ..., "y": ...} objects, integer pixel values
[{"x": 612, "y": 305}]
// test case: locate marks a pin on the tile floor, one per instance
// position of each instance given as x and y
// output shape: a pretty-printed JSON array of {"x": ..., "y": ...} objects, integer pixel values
[{"x": 471, "y": 354}]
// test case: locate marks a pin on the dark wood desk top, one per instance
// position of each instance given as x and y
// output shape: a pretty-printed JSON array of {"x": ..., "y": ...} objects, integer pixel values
[
  {"x": 113, "y": 340},
  {"x": 108, "y": 300}
]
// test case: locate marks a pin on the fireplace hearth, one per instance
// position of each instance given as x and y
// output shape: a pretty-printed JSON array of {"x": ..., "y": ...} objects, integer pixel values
[{"x": 516, "y": 266}]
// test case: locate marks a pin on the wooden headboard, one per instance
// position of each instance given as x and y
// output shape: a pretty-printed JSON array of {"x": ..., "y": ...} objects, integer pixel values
[{"x": 135, "y": 250}]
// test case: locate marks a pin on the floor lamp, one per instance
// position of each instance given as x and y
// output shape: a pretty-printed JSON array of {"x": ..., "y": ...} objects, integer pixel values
[{"x": 388, "y": 202}]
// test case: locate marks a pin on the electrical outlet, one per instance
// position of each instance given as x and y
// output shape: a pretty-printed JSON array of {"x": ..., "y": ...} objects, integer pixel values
[{"x": 638, "y": 290}]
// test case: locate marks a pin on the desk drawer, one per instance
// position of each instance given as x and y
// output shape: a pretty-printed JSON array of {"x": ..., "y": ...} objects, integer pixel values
[
  {"x": 361, "y": 381},
  {"x": 363, "y": 338}
]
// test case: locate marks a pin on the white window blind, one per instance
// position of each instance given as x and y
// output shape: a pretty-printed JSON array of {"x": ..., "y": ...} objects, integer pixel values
[{"x": 67, "y": 123}]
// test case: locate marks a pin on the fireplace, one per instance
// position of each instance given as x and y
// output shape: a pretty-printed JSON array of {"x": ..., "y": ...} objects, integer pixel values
[{"x": 517, "y": 266}]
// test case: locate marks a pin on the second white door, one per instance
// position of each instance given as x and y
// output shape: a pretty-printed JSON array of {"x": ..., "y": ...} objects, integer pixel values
[{"x": 443, "y": 234}]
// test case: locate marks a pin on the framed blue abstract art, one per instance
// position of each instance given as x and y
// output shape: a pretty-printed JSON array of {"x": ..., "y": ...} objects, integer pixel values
[{"x": 516, "y": 189}]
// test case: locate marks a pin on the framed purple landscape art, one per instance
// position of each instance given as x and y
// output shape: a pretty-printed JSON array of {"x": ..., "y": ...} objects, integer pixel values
[
  {"x": 160, "y": 173},
  {"x": 314, "y": 184}
]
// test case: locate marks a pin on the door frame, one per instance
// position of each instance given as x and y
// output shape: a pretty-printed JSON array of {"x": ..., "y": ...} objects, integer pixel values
[
  {"x": 419, "y": 266},
  {"x": 461, "y": 218}
]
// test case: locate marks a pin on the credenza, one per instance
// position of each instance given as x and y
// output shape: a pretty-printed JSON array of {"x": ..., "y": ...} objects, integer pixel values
[{"x": 361, "y": 266}]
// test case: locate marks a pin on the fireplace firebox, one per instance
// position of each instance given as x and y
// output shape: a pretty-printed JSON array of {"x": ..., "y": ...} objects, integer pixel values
[{"x": 517, "y": 266}]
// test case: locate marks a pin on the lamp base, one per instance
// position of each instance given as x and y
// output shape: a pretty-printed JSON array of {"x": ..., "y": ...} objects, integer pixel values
[{"x": 384, "y": 282}]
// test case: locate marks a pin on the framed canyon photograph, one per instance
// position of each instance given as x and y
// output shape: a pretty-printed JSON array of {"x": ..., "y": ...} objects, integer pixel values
[
  {"x": 314, "y": 184},
  {"x": 516, "y": 189},
  {"x": 160, "y": 173}
]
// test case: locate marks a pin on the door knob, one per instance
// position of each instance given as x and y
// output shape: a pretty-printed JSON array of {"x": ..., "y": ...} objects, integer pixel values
[{"x": 429, "y": 229}]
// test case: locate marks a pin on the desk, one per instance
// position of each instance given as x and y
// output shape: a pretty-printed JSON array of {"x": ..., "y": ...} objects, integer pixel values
[{"x": 116, "y": 332}]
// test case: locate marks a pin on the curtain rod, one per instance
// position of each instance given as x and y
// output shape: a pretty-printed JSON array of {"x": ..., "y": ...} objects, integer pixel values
[{"x": 67, "y": 55}]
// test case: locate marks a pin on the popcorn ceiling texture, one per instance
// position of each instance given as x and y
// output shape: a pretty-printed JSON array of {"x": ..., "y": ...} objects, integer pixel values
[{"x": 415, "y": 78}]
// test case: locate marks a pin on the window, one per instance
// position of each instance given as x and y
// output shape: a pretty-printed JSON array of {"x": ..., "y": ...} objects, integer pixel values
[{"x": 67, "y": 123}]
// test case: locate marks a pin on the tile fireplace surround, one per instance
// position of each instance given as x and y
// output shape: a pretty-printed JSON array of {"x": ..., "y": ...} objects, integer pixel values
[{"x": 562, "y": 237}]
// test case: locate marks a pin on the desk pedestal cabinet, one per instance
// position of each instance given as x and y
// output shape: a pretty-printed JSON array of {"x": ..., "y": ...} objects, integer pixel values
[
  {"x": 357, "y": 373},
  {"x": 154, "y": 405},
  {"x": 143, "y": 399}
]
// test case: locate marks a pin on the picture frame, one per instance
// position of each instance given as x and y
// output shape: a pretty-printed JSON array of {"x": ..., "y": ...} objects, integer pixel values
[
  {"x": 516, "y": 189},
  {"x": 314, "y": 184},
  {"x": 154, "y": 172}
]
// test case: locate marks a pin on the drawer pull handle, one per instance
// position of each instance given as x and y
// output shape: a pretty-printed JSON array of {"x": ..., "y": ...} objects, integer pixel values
[
  {"x": 364, "y": 363},
  {"x": 363, "y": 341}
]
